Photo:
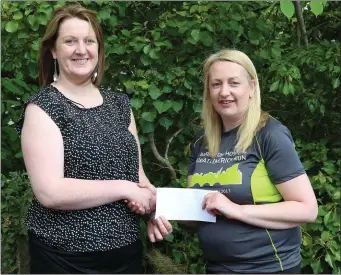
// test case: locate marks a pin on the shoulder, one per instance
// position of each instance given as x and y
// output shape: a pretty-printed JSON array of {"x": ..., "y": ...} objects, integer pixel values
[
  {"x": 45, "y": 95},
  {"x": 273, "y": 129},
  {"x": 275, "y": 137},
  {"x": 114, "y": 96},
  {"x": 46, "y": 102}
]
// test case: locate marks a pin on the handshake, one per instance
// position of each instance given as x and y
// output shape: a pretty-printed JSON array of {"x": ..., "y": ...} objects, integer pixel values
[{"x": 142, "y": 200}]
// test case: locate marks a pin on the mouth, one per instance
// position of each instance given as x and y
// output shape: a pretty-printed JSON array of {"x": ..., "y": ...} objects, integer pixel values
[
  {"x": 226, "y": 101},
  {"x": 80, "y": 61}
]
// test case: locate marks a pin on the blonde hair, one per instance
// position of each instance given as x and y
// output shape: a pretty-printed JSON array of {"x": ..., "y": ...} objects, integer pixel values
[
  {"x": 253, "y": 118},
  {"x": 48, "y": 41}
]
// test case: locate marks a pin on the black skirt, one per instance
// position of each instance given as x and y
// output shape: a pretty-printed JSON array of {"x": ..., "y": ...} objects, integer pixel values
[{"x": 49, "y": 260}]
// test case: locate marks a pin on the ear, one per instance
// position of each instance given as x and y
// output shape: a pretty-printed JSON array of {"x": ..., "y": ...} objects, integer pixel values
[
  {"x": 53, "y": 52},
  {"x": 252, "y": 87}
]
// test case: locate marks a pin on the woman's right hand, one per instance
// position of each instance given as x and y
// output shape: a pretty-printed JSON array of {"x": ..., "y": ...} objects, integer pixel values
[{"x": 141, "y": 200}]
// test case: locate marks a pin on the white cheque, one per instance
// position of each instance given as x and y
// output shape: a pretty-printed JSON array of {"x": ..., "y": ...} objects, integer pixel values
[{"x": 182, "y": 204}]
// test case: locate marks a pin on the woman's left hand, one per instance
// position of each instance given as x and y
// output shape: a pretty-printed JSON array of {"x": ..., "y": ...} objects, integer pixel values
[{"x": 218, "y": 204}]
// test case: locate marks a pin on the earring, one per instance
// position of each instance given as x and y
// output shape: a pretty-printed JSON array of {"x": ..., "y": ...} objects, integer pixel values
[
  {"x": 55, "y": 74},
  {"x": 94, "y": 77}
]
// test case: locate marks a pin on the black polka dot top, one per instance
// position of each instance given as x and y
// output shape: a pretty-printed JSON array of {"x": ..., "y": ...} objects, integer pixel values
[{"x": 97, "y": 146}]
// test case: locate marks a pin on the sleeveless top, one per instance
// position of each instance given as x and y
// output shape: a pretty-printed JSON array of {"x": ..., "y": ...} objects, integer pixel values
[{"x": 97, "y": 146}]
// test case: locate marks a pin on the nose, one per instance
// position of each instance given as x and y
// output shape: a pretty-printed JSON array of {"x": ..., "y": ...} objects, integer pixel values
[
  {"x": 225, "y": 90},
  {"x": 81, "y": 47}
]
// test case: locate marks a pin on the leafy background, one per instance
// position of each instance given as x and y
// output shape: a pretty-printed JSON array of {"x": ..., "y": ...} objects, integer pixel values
[{"x": 155, "y": 52}]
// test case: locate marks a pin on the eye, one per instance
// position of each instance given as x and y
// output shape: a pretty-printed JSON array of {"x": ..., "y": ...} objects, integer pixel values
[
  {"x": 70, "y": 41},
  {"x": 235, "y": 83},
  {"x": 89, "y": 41},
  {"x": 216, "y": 85}
]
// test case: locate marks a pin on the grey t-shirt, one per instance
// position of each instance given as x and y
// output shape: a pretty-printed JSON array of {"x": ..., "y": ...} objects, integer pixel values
[{"x": 247, "y": 178}]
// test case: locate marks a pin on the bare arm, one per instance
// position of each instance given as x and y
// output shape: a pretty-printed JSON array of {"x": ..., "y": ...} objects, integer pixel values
[
  {"x": 43, "y": 152},
  {"x": 299, "y": 206}
]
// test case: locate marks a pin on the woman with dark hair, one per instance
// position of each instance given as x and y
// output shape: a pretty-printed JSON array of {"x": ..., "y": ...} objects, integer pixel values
[{"x": 83, "y": 158}]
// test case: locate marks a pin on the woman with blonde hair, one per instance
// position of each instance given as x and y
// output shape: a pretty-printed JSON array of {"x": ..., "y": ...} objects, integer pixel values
[
  {"x": 249, "y": 157},
  {"x": 82, "y": 155}
]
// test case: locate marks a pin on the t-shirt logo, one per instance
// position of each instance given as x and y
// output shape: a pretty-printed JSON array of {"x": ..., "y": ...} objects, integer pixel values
[{"x": 231, "y": 175}]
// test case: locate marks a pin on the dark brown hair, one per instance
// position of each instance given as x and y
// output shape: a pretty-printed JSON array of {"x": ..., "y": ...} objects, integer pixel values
[{"x": 46, "y": 67}]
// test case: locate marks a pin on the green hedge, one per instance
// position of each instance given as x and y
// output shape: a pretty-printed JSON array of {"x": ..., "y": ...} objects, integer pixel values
[{"x": 155, "y": 52}]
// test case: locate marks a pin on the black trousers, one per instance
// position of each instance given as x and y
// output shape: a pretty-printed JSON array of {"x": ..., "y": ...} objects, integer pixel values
[
  {"x": 293, "y": 270},
  {"x": 49, "y": 260}
]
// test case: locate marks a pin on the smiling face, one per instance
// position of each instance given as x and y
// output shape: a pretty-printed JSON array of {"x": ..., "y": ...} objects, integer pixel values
[
  {"x": 230, "y": 90},
  {"x": 76, "y": 50}
]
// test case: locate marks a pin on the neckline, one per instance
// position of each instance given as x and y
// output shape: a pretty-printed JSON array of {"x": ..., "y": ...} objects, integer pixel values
[
  {"x": 76, "y": 104},
  {"x": 233, "y": 130}
]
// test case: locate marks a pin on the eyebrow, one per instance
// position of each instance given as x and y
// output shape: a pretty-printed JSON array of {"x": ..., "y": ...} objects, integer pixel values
[
  {"x": 71, "y": 36},
  {"x": 230, "y": 78}
]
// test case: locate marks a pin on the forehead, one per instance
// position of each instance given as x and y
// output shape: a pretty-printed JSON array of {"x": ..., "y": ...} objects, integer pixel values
[
  {"x": 75, "y": 27},
  {"x": 226, "y": 69}
]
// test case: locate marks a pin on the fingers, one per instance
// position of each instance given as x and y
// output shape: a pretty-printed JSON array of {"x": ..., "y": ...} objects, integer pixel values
[
  {"x": 150, "y": 231},
  {"x": 159, "y": 229},
  {"x": 165, "y": 228}
]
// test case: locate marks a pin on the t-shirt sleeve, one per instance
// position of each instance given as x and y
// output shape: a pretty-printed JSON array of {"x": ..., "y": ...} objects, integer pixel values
[
  {"x": 281, "y": 159},
  {"x": 194, "y": 150}
]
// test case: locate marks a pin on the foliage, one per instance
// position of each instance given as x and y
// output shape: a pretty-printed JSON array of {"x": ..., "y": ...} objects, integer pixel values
[
  {"x": 155, "y": 52},
  {"x": 16, "y": 195}
]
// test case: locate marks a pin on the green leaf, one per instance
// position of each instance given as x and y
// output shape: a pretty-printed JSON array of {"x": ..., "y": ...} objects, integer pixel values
[
  {"x": 274, "y": 86},
  {"x": 146, "y": 126},
  {"x": 162, "y": 106},
  {"x": 17, "y": 15},
  {"x": 177, "y": 255},
  {"x": 154, "y": 92},
  {"x": 18, "y": 155},
  {"x": 165, "y": 122},
  {"x": 328, "y": 259},
  {"x": 316, "y": 266},
  {"x": 316, "y": 7},
  {"x": 104, "y": 14},
  {"x": 327, "y": 217},
  {"x": 12, "y": 88},
  {"x": 322, "y": 109},
  {"x": 275, "y": 52},
  {"x": 177, "y": 105},
  {"x": 11, "y": 26},
  {"x": 206, "y": 38},
  {"x": 325, "y": 236},
  {"x": 23, "y": 35},
  {"x": 126, "y": 33},
  {"x": 336, "y": 83},
  {"x": 166, "y": 89},
  {"x": 137, "y": 103},
  {"x": 195, "y": 34},
  {"x": 153, "y": 54},
  {"x": 170, "y": 238},
  {"x": 146, "y": 49},
  {"x": 336, "y": 195},
  {"x": 233, "y": 25},
  {"x": 149, "y": 116},
  {"x": 145, "y": 60},
  {"x": 31, "y": 20},
  {"x": 287, "y": 7},
  {"x": 286, "y": 88}
]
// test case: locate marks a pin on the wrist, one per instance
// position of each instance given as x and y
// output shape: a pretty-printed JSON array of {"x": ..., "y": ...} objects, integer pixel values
[{"x": 127, "y": 188}]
